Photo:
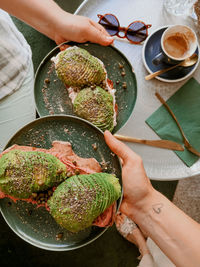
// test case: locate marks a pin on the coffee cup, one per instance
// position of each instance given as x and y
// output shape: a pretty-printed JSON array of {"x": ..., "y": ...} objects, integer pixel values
[{"x": 178, "y": 42}]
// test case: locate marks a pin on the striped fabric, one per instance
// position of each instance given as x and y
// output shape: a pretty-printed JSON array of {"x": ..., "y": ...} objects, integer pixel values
[{"x": 15, "y": 56}]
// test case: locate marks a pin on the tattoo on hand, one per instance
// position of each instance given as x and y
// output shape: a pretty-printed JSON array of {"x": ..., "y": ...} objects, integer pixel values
[{"x": 157, "y": 208}]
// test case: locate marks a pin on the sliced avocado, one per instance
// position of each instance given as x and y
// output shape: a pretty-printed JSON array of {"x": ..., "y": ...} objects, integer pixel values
[
  {"x": 25, "y": 172},
  {"x": 77, "y": 202},
  {"x": 78, "y": 68},
  {"x": 95, "y": 106}
]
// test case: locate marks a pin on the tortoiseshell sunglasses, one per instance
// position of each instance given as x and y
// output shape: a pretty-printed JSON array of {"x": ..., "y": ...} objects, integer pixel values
[{"x": 136, "y": 32}]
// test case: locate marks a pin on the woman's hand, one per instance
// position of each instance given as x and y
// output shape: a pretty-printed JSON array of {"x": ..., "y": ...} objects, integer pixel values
[
  {"x": 170, "y": 228},
  {"x": 80, "y": 29},
  {"x": 136, "y": 185},
  {"x": 48, "y": 18}
]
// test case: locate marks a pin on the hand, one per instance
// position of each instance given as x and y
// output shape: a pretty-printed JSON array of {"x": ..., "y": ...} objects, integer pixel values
[
  {"x": 169, "y": 227},
  {"x": 48, "y": 18},
  {"x": 68, "y": 27},
  {"x": 136, "y": 185}
]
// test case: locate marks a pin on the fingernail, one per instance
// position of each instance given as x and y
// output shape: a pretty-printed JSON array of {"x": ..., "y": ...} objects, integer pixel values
[{"x": 109, "y": 38}]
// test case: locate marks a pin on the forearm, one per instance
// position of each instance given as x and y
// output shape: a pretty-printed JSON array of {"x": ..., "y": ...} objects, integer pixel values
[
  {"x": 173, "y": 231},
  {"x": 40, "y": 14}
]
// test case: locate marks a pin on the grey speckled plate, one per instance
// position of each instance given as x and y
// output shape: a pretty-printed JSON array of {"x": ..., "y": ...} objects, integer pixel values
[
  {"x": 35, "y": 225},
  {"x": 52, "y": 98}
]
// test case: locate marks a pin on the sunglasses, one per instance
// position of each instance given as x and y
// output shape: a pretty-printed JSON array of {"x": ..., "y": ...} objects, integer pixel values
[{"x": 136, "y": 32}]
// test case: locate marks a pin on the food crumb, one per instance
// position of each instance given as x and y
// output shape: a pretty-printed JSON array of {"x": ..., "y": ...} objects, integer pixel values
[
  {"x": 121, "y": 66},
  {"x": 9, "y": 203},
  {"x": 104, "y": 166},
  {"x": 66, "y": 131},
  {"x": 74, "y": 162},
  {"x": 69, "y": 174},
  {"x": 33, "y": 195},
  {"x": 30, "y": 212},
  {"x": 77, "y": 172},
  {"x": 124, "y": 85},
  {"x": 47, "y": 80},
  {"x": 59, "y": 236},
  {"x": 92, "y": 87},
  {"x": 123, "y": 73},
  {"x": 94, "y": 146}
]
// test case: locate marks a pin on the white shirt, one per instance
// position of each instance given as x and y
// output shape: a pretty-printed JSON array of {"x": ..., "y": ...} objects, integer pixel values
[{"x": 15, "y": 56}]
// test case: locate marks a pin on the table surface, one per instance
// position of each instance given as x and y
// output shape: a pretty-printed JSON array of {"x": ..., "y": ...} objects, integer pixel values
[
  {"x": 160, "y": 164},
  {"x": 111, "y": 248}
]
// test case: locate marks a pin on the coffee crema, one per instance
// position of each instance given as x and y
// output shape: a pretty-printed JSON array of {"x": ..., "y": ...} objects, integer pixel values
[{"x": 177, "y": 45}]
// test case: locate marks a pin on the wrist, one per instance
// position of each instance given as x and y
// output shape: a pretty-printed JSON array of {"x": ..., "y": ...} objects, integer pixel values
[
  {"x": 55, "y": 21},
  {"x": 62, "y": 26},
  {"x": 141, "y": 207}
]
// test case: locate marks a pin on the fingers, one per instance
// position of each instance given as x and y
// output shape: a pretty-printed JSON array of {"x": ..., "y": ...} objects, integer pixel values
[
  {"x": 99, "y": 27},
  {"x": 120, "y": 148},
  {"x": 81, "y": 29},
  {"x": 97, "y": 35},
  {"x": 59, "y": 40}
]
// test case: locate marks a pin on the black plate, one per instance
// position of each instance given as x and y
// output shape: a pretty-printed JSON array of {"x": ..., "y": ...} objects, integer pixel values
[
  {"x": 54, "y": 98},
  {"x": 36, "y": 225}
]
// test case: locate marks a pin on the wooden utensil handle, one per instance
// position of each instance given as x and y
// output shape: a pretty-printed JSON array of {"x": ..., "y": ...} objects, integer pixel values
[
  {"x": 152, "y": 75},
  {"x": 186, "y": 142},
  {"x": 167, "y": 144},
  {"x": 172, "y": 114}
]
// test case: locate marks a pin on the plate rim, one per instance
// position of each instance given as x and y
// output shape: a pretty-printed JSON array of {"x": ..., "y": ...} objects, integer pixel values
[
  {"x": 80, "y": 7},
  {"x": 113, "y": 47},
  {"x": 160, "y": 78},
  {"x": 27, "y": 237}
]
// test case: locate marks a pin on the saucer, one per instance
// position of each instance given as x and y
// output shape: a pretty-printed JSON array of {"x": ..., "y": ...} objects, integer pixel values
[{"x": 151, "y": 48}]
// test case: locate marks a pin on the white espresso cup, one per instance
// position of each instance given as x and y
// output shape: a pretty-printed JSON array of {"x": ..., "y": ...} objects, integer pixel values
[{"x": 178, "y": 42}]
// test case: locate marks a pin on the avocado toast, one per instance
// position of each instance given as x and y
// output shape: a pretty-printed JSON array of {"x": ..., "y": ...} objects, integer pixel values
[
  {"x": 77, "y": 202},
  {"x": 82, "y": 74},
  {"x": 25, "y": 170},
  {"x": 74, "y": 182}
]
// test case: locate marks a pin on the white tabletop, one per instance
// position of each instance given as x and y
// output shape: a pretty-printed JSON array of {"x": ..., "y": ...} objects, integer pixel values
[{"x": 160, "y": 164}]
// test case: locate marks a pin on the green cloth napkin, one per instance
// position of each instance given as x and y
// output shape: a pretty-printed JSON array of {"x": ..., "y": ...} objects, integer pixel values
[{"x": 185, "y": 104}]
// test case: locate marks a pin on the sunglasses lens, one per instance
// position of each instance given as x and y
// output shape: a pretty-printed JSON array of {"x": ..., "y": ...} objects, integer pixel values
[
  {"x": 110, "y": 23},
  {"x": 137, "y": 32}
]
